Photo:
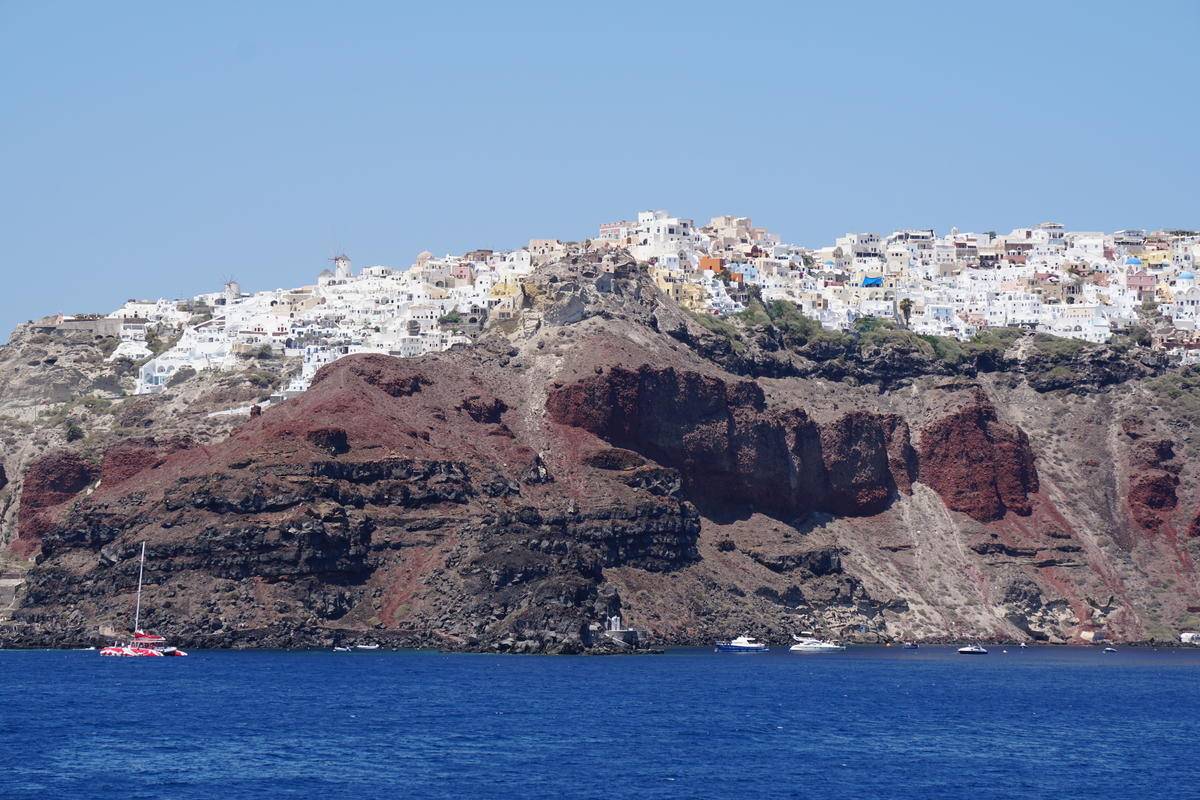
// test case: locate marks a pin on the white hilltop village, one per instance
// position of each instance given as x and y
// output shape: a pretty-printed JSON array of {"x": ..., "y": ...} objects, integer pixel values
[{"x": 1083, "y": 285}]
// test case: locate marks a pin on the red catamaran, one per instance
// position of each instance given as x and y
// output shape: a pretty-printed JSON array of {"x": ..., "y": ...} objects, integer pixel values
[{"x": 141, "y": 643}]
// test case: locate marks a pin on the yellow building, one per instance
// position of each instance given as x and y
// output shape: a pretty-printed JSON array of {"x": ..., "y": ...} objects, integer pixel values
[
  {"x": 507, "y": 286},
  {"x": 677, "y": 287}
]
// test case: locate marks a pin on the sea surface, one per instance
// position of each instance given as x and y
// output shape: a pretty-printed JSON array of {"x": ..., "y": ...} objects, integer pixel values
[{"x": 872, "y": 722}]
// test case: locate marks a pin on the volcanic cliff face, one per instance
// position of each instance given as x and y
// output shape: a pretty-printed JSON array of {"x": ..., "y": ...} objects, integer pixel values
[
  {"x": 977, "y": 464},
  {"x": 421, "y": 510},
  {"x": 598, "y": 457},
  {"x": 730, "y": 448}
]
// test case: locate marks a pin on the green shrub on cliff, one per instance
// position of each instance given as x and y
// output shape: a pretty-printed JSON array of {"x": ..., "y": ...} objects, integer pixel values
[
  {"x": 74, "y": 432},
  {"x": 992, "y": 340},
  {"x": 875, "y": 332},
  {"x": 985, "y": 348},
  {"x": 722, "y": 327},
  {"x": 157, "y": 345},
  {"x": 944, "y": 348},
  {"x": 100, "y": 405},
  {"x": 1179, "y": 394},
  {"x": 1056, "y": 348},
  {"x": 755, "y": 314},
  {"x": 799, "y": 330},
  {"x": 262, "y": 379}
]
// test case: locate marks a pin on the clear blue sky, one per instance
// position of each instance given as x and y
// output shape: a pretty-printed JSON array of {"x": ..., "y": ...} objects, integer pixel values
[{"x": 150, "y": 149}]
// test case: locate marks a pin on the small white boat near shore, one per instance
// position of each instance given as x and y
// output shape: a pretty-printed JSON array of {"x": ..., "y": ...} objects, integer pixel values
[
  {"x": 973, "y": 650},
  {"x": 742, "y": 644},
  {"x": 807, "y": 644}
]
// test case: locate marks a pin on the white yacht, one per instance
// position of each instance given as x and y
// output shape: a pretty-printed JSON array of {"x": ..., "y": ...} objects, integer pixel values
[
  {"x": 742, "y": 644},
  {"x": 806, "y": 644},
  {"x": 973, "y": 650}
]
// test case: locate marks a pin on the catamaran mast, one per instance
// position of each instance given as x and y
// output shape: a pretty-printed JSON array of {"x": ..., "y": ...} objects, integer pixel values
[{"x": 137, "y": 614}]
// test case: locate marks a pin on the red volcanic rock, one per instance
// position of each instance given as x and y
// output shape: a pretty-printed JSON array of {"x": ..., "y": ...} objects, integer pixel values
[
  {"x": 1152, "y": 481},
  {"x": 730, "y": 449},
  {"x": 858, "y": 449},
  {"x": 977, "y": 464},
  {"x": 129, "y": 457},
  {"x": 1150, "y": 492},
  {"x": 1193, "y": 528},
  {"x": 51, "y": 481},
  {"x": 1152, "y": 454},
  {"x": 1133, "y": 427}
]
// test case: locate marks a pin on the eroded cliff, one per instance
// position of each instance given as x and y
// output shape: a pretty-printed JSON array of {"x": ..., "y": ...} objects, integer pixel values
[{"x": 605, "y": 454}]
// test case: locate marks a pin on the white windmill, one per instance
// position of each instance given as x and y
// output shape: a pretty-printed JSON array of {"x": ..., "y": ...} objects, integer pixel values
[
  {"x": 233, "y": 290},
  {"x": 341, "y": 266}
]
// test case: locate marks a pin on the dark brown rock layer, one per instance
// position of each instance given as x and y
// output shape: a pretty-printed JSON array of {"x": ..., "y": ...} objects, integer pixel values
[{"x": 729, "y": 448}]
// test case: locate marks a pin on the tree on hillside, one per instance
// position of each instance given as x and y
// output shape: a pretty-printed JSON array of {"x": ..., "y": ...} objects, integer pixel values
[{"x": 906, "y": 309}]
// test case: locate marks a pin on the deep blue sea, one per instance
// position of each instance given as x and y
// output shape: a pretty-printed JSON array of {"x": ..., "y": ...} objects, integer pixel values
[{"x": 872, "y": 722}]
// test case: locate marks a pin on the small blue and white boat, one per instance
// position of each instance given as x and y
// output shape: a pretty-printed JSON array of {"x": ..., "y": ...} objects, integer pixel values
[{"x": 742, "y": 644}]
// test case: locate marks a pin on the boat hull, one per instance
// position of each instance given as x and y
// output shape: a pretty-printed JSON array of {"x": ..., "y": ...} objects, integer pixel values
[
  {"x": 809, "y": 645},
  {"x": 141, "y": 652},
  {"x": 797, "y": 648},
  {"x": 133, "y": 652},
  {"x": 738, "y": 648}
]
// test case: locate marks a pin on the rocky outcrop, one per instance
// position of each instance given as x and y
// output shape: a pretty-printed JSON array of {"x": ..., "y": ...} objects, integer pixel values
[
  {"x": 51, "y": 483},
  {"x": 730, "y": 449},
  {"x": 977, "y": 464},
  {"x": 1153, "y": 478},
  {"x": 127, "y": 458}
]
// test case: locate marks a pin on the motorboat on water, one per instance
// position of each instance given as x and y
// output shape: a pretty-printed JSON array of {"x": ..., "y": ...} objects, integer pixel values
[
  {"x": 973, "y": 650},
  {"x": 742, "y": 644},
  {"x": 1110, "y": 649},
  {"x": 806, "y": 644},
  {"x": 366, "y": 647},
  {"x": 141, "y": 644},
  {"x": 911, "y": 645},
  {"x": 340, "y": 649}
]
